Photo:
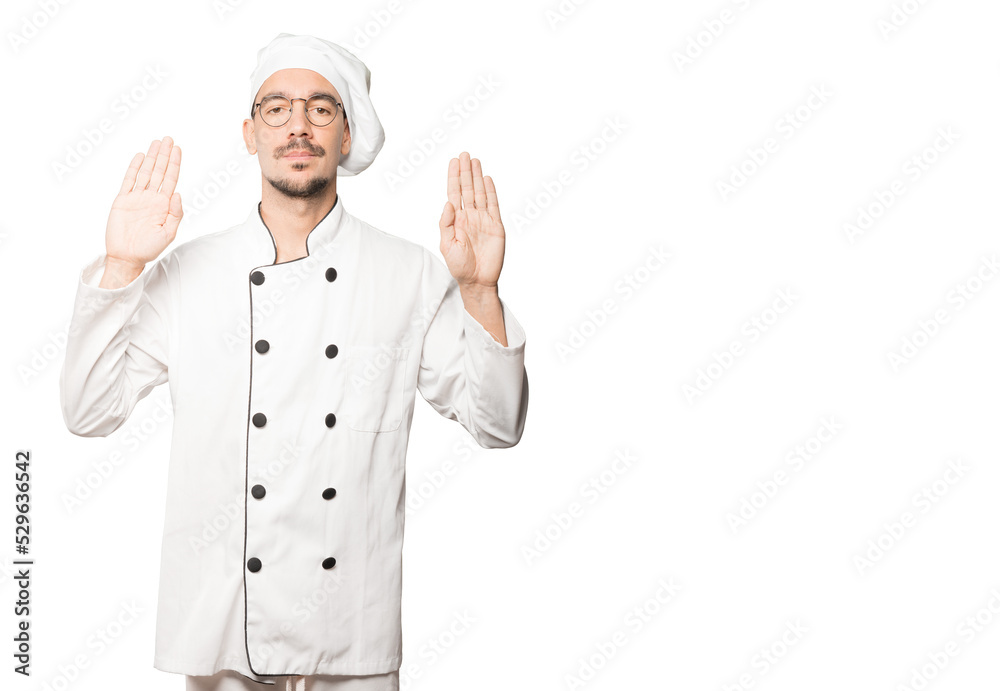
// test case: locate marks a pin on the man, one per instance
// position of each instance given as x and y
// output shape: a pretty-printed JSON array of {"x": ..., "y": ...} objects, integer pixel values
[{"x": 293, "y": 345}]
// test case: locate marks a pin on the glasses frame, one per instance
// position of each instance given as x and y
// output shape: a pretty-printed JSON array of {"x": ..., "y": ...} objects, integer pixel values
[{"x": 291, "y": 107}]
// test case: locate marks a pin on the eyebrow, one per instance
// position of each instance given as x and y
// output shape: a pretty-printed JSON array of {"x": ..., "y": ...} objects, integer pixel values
[{"x": 282, "y": 93}]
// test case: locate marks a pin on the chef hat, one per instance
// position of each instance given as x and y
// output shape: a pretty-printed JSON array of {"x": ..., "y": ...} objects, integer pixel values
[{"x": 348, "y": 75}]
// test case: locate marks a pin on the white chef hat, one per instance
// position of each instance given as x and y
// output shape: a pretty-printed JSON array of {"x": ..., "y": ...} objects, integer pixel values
[{"x": 348, "y": 75}]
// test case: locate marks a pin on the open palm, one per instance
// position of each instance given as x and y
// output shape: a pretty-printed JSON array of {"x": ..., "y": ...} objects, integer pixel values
[
  {"x": 145, "y": 214},
  {"x": 472, "y": 234}
]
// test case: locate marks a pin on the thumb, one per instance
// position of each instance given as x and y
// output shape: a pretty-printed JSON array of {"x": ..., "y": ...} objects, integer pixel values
[
  {"x": 174, "y": 212},
  {"x": 447, "y": 223},
  {"x": 176, "y": 209}
]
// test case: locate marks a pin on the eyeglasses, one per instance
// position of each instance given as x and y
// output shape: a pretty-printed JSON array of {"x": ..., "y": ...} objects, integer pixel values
[{"x": 277, "y": 110}]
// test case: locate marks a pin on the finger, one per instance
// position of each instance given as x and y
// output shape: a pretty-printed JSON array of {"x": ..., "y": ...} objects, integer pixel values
[
  {"x": 454, "y": 187},
  {"x": 492, "y": 204},
  {"x": 129, "y": 180},
  {"x": 479, "y": 191},
  {"x": 173, "y": 171},
  {"x": 160, "y": 167},
  {"x": 465, "y": 180},
  {"x": 142, "y": 179}
]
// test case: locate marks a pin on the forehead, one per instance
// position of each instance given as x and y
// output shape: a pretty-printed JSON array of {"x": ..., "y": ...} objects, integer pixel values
[{"x": 296, "y": 83}]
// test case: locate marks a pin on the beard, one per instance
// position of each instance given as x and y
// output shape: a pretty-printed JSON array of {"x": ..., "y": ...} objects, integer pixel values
[{"x": 301, "y": 190}]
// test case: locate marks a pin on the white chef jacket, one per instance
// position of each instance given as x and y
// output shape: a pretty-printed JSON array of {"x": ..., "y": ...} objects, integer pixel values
[{"x": 292, "y": 388}]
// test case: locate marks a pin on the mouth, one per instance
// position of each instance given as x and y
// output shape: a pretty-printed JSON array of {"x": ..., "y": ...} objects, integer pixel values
[{"x": 295, "y": 155}]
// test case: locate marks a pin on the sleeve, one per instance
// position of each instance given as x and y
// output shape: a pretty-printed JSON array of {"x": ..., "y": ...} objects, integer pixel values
[
  {"x": 465, "y": 374},
  {"x": 116, "y": 349}
]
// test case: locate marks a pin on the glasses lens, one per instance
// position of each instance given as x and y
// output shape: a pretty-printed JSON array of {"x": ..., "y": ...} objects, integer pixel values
[
  {"x": 321, "y": 110},
  {"x": 275, "y": 110}
]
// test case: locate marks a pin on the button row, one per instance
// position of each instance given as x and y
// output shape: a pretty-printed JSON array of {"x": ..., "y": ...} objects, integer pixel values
[
  {"x": 258, "y": 276},
  {"x": 259, "y": 419},
  {"x": 258, "y": 492},
  {"x": 263, "y": 346},
  {"x": 254, "y": 564}
]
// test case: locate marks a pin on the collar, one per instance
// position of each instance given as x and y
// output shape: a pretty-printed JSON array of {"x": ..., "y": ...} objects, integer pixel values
[{"x": 322, "y": 234}]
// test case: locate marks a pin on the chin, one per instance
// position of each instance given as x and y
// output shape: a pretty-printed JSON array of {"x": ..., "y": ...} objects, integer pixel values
[{"x": 301, "y": 189}]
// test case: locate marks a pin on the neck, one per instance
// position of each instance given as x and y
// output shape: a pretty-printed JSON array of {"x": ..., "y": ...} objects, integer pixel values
[{"x": 290, "y": 218}]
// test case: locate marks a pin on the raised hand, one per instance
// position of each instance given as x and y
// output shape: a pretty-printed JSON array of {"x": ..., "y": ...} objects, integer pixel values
[
  {"x": 147, "y": 211},
  {"x": 472, "y": 234}
]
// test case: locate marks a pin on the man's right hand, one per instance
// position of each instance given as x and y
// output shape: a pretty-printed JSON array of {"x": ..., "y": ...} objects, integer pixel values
[{"x": 145, "y": 214}]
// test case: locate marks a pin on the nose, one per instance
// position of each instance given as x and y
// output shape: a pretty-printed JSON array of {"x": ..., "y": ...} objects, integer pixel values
[{"x": 298, "y": 123}]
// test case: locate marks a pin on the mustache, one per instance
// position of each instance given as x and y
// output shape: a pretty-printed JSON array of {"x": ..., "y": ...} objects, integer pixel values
[{"x": 300, "y": 146}]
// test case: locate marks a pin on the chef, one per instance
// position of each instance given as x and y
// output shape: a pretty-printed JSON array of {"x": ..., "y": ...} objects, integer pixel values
[{"x": 293, "y": 345}]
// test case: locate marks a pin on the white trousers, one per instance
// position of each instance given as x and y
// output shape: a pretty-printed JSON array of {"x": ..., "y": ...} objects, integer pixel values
[{"x": 228, "y": 680}]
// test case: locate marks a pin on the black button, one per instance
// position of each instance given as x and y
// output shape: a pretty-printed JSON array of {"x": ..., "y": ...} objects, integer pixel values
[
  {"x": 262, "y": 346},
  {"x": 331, "y": 420},
  {"x": 329, "y": 493},
  {"x": 259, "y": 419},
  {"x": 257, "y": 277},
  {"x": 257, "y": 491},
  {"x": 331, "y": 351},
  {"x": 331, "y": 274},
  {"x": 254, "y": 564},
  {"x": 327, "y": 563}
]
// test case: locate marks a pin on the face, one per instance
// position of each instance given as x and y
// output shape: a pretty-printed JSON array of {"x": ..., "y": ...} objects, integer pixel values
[{"x": 298, "y": 159}]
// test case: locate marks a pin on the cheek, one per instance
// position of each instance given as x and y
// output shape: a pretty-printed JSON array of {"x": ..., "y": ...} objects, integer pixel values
[{"x": 266, "y": 148}]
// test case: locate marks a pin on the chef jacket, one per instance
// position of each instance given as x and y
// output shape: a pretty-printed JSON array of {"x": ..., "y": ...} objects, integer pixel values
[{"x": 292, "y": 386}]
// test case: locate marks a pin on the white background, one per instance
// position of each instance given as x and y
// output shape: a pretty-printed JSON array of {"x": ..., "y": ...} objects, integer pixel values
[{"x": 609, "y": 367}]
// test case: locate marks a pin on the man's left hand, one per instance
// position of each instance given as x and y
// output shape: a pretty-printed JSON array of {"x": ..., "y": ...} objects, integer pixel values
[{"x": 472, "y": 235}]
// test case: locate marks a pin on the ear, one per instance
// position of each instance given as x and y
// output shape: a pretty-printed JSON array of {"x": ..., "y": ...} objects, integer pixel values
[
  {"x": 345, "y": 145},
  {"x": 249, "y": 136}
]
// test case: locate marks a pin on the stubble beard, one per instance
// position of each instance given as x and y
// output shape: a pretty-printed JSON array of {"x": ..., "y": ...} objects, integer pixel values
[{"x": 301, "y": 190}]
